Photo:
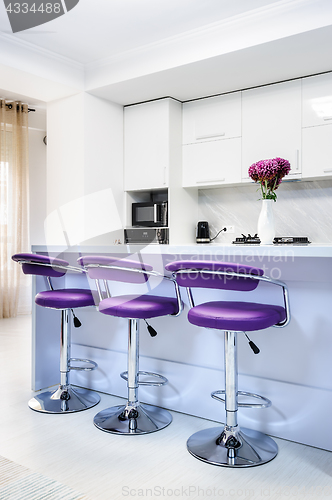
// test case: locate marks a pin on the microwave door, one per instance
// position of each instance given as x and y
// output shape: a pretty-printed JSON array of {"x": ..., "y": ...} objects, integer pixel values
[{"x": 143, "y": 215}]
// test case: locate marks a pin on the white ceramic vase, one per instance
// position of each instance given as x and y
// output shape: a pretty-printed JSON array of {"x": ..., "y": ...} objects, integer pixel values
[{"x": 265, "y": 228}]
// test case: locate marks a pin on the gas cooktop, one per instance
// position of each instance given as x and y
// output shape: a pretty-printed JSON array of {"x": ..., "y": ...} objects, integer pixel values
[
  {"x": 247, "y": 240},
  {"x": 280, "y": 240}
]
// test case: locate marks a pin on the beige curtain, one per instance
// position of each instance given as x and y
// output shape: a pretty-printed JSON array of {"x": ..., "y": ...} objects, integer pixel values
[{"x": 14, "y": 215}]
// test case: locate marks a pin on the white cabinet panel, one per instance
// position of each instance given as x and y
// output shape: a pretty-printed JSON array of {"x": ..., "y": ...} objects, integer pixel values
[
  {"x": 317, "y": 100},
  {"x": 317, "y": 152},
  {"x": 271, "y": 125},
  {"x": 212, "y": 163},
  {"x": 146, "y": 136},
  {"x": 212, "y": 118}
]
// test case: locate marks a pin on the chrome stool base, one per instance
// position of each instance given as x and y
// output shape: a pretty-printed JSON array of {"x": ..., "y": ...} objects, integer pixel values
[
  {"x": 64, "y": 400},
  {"x": 140, "y": 419},
  {"x": 244, "y": 448}
]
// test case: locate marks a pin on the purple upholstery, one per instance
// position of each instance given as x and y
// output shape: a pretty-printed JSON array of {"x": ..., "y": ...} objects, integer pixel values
[
  {"x": 115, "y": 274},
  {"x": 205, "y": 280},
  {"x": 236, "y": 316},
  {"x": 69, "y": 298},
  {"x": 138, "y": 307},
  {"x": 42, "y": 270}
]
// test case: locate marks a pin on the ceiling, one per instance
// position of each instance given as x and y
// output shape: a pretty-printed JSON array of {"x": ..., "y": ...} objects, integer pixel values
[
  {"x": 130, "y": 51},
  {"x": 98, "y": 29}
]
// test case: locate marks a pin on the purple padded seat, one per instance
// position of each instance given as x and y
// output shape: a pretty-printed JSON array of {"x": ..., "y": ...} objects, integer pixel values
[
  {"x": 67, "y": 298},
  {"x": 139, "y": 307},
  {"x": 236, "y": 316}
]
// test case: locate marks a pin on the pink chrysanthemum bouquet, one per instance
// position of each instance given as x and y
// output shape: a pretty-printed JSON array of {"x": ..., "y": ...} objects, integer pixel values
[{"x": 269, "y": 174}]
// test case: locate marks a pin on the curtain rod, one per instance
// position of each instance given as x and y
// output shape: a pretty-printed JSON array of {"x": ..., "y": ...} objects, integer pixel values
[{"x": 10, "y": 106}]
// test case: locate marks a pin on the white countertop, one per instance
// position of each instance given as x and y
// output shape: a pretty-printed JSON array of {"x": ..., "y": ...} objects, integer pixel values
[{"x": 201, "y": 250}]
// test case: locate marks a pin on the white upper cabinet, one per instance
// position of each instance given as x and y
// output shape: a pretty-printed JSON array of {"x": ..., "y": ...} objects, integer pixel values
[
  {"x": 212, "y": 118},
  {"x": 271, "y": 125},
  {"x": 212, "y": 141},
  {"x": 212, "y": 163},
  {"x": 317, "y": 100},
  {"x": 317, "y": 152},
  {"x": 317, "y": 126},
  {"x": 147, "y": 145}
]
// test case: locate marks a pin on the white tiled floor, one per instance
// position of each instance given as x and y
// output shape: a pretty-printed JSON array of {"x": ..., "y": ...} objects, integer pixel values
[{"x": 69, "y": 449}]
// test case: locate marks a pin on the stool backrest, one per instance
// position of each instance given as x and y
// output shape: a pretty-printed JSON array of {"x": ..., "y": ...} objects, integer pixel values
[
  {"x": 209, "y": 274},
  {"x": 41, "y": 265},
  {"x": 115, "y": 269}
]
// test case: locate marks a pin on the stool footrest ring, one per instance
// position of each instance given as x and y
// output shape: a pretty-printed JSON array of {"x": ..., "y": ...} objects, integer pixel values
[
  {"x": 266, "y": 402},
  {"x": 85, "y": 368},
  {"x": 163, "y": 380}
]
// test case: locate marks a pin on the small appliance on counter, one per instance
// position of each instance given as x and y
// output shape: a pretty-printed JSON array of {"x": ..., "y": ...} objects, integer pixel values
[
  {"x": 150, "y": 214},
  {"x": 203, "y": 232},
  {"x": 145, "y": 236}
]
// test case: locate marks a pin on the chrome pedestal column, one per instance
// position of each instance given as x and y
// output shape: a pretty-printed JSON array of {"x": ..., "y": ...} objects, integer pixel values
[
  {"x": 134, "y": 417},
  {"x": 230, "y": 446},
  {"x": 65, "y": 399}
]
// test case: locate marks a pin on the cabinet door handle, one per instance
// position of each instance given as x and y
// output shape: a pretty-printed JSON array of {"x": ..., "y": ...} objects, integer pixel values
[
  {"x": 328, "y": 171},
  {"x": 297, "y": 167},
  {"x": 209, "y": 136},
  {"x": 210, "y": 180},
  {"x": 327, "y": 118}
]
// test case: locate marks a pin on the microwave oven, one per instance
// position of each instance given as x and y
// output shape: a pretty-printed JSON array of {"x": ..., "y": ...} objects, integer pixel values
[{"x": 149, "y": 214}]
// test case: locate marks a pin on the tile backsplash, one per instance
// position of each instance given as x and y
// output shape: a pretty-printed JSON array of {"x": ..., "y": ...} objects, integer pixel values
[{"x": 302, "y": 209}]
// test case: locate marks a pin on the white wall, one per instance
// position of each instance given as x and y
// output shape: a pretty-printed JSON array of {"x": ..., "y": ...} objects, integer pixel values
[{"x": 37, "y": 176}]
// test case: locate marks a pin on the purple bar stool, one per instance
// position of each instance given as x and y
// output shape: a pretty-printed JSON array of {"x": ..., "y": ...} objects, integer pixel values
[
  {"x": 230, "y": 446},
  {"x": 65, "y": 399},
  {"x": 133, "y": 417}
]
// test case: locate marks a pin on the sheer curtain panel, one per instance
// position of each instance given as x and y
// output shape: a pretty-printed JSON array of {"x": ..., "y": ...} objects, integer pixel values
[{"x": 14, "y": 217}]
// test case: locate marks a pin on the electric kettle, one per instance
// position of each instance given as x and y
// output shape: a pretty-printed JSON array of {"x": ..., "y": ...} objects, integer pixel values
[{"x": 202, "y": 232}]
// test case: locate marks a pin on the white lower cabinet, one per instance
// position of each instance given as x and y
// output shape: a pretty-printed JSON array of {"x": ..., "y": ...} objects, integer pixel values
[
  {"x": 317, "y": 152},
  {"x": 212, "y": 163}
]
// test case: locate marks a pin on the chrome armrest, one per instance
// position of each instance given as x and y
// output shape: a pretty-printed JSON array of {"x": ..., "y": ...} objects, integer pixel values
[
  {"x": 177, "y": 293},
  {"x": 73, "y": 269}
]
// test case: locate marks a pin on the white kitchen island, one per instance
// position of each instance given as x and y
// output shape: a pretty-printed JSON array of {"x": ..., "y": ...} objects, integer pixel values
[{"x": 293, "y": 369}]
